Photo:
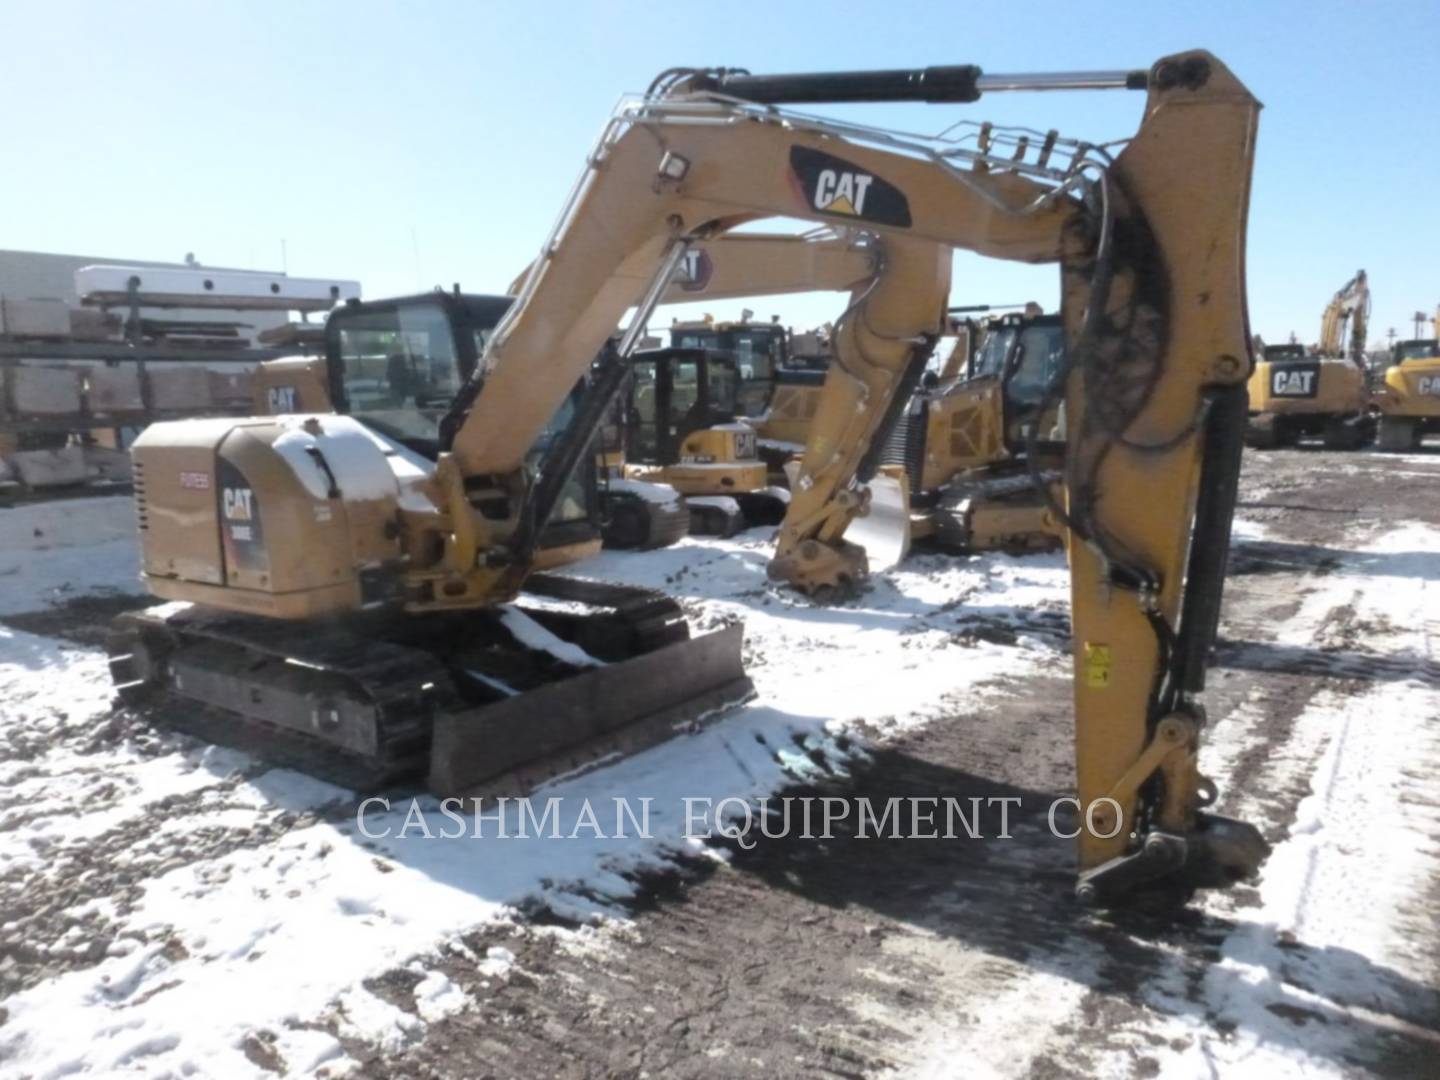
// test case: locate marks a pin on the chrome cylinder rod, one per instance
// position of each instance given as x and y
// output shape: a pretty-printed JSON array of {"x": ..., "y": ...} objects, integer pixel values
[{"x": 1064, "y": 80}]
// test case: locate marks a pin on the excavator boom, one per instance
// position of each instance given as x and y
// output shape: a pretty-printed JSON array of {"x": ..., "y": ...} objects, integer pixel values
[
  {"x": 739, "y": 264},
  {"x": 1348, "y": 308}
]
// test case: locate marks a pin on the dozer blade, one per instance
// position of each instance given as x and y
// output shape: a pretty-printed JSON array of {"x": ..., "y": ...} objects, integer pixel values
[
  {"x": 884, "y": 532},
  {"x": 478, "y": 707},
  {"x": 587, "y": 720}
]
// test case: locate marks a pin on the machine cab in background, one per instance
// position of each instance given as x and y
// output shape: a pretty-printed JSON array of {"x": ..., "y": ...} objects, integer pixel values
[
  {"x": 1023, "y": 354},
  {"x": 685, "y": 428},
  {"x": 1408, "y": 398},
  {"x": 757, "y": 351},
  {"x": 982, "y": 417},
  {"x": 675, "y": 394}
]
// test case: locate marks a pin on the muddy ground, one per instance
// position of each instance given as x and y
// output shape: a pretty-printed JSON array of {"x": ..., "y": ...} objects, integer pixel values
[
  {"x": 853, "y": 957},
  {"x": 814, "y": 958}
]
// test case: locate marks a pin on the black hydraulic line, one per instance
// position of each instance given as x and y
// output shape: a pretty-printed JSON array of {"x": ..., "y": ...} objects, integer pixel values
[{"x": 1224, "y": 438}]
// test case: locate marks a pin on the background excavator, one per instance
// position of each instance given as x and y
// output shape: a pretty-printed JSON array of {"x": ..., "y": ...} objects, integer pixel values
[
  {"x": 693, "y": 414},
  {"x": 782, "y": 371},
  {"x": 1408, "y": 400},
  {"x": 1295, "y": 396},
  {"x": 351, "y": 591}
]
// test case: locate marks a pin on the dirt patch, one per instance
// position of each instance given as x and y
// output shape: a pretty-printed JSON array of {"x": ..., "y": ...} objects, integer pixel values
[{"x": 815, "y": 958}]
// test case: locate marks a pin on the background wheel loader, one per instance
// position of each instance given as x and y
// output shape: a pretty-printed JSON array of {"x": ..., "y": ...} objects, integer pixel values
[
  {"x": 1296, "y": 397},
  {"x": 1408, "y": 400}
]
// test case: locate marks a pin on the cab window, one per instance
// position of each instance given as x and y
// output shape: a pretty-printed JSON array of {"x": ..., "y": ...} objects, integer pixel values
[
  {"x": 571, "y": 505},
  {"x": 990, "y": 360},
  {"x": 723, "y": 387},
  {"x": 1042, "y": 355},
  {"x": 1416, "y": 350},
  {"x": 756, "y": 353},
  {"x": 400, "y": 369}
]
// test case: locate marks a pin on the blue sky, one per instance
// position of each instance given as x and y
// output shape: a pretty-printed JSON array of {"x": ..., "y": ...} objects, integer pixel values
[{"x": 427, "y": 143}]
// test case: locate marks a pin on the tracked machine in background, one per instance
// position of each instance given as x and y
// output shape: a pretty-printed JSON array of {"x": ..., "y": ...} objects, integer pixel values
[
  {"x": 353, "y": 587},
  {"x": 781, "y": 375},
  {"x": 684, "y": 429},
  {"x": 695, "y": 414},
  {"x": 1296, "y": 396},
  {"x": 981, "y": 439},
  {"x": 1408, "y": 400}
]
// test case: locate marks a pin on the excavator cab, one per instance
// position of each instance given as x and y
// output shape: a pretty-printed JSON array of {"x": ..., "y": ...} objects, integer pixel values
[
  {"x": 757, "y": 350},
  {"x": 963, "y": 442},
  {"x": 1023, "y": 353},
  {"x": 676, "y": 394},
  {"x": 396, "y": 365},
  {"x": 983, "y": 416},
  {"x": 781, "y": 375},
  {"x": 685, "y": 428},
  {"x": 1285, "y": 353}
]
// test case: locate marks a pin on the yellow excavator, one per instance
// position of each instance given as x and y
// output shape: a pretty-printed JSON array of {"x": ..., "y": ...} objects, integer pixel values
[
  {"x": 1408, "y": 401},
  {"x": 782, "y": 372},
  {"x": 376, "y": 603},
  {"x": 693, "y": 413},
  {"x": 1296, "y": 396}
]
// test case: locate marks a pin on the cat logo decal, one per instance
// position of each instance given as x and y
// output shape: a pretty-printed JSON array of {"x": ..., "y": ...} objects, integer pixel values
[{"x": 834, "y": 186}]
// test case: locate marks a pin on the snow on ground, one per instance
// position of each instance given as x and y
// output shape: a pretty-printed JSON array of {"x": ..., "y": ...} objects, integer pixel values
[
  {"x": 268, "y": 929},
  {"x": 1331, "y": 944},
  {"x": 88, "y": 546},
  {"x": 196, "y": 905},
  {"x": 1343, "y": 916}
]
